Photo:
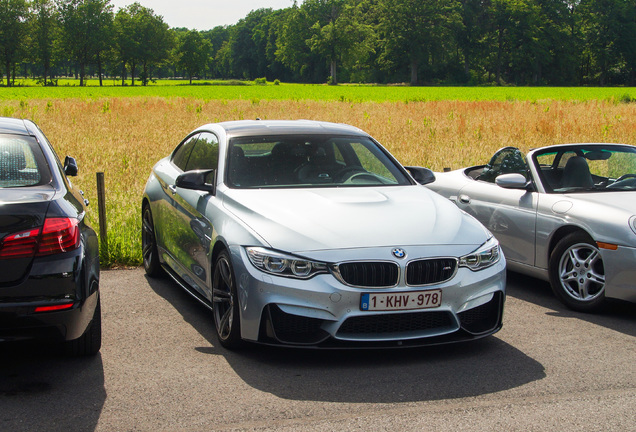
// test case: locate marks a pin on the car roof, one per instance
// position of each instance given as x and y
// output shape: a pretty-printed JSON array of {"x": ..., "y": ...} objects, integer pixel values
[
  {"x": 13, "y": 126},
  {"x": 287, "y": 127}
]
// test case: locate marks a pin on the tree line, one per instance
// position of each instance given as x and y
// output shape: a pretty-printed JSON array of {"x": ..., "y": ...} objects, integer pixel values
[{"x": 421, "y": 42}]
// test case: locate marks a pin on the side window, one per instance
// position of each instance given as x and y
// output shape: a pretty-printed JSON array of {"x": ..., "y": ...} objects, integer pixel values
[
  {"x": 205, "y": 154},
  {"x": 182, "y": 153},
  {"x": 506, "y": 161}
]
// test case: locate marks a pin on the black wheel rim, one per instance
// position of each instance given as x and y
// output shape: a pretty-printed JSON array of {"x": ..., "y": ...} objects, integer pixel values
[
  {"x": 147, "y": 239},
  {"x": 223, "y": 298}
]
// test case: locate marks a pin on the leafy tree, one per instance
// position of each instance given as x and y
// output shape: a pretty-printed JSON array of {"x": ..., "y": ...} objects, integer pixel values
[
  {"x": 13, "y": 26},
  {"x": 340, "y": 36},
  {"x": 45, "y": 33},
  {"x": 292, "y": 48},
  {"x": 415, "y": 32},
  {"x": 86, "y": 30},
  {"x": 142, "y": 39},
  {"x": 194, "y": 53}
]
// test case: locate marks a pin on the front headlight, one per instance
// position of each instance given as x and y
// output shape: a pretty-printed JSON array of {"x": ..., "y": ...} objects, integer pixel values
[
  {"x": 487, "y": 255},
  {"x": 281, "y": 264}
]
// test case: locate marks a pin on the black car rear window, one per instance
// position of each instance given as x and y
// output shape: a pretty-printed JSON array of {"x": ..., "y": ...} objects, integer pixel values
[{"x": 22, "y": 162}]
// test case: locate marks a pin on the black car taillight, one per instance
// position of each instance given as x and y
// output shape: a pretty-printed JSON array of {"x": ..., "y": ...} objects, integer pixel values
[
  {"x": 59, "y": 235},
  {"x": 20, "y": 245},
  {"x": 56, "y": 236}
]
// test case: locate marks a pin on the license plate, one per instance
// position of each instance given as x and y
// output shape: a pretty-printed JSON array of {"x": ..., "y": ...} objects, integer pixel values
[{"x": 401, "y": 301}]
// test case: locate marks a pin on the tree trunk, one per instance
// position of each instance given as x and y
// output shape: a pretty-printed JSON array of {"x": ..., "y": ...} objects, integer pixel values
[
  {"x": 123, "y": 73},
  {"x": 8, "y": 64},
  {"x": 413, "y": 72},
  {"x": 332, "y": 69},
  {"x": 99, "y": 69}
]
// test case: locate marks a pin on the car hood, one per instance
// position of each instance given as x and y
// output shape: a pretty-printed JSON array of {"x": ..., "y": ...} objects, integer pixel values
[{"x": 296, "y": 220}]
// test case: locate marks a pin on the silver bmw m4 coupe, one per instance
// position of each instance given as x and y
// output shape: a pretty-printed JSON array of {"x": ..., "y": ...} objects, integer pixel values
[{"x": 307, "y": 233}]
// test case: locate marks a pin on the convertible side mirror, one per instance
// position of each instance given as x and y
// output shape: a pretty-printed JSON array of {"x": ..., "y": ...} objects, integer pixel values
[
  {"x": 197, "y": 180},
  {"x": 70, "y": 166},
  {"x": 421, "y": 175},
  {"x": 513, "y": 181}
]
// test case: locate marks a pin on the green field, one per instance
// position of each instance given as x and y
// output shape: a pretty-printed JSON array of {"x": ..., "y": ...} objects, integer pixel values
[{"x": 220, "y": 90}]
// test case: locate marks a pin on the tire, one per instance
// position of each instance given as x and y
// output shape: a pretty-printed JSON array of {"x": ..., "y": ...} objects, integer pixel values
[
  {"x": 90, "y": 342},
  {"x": 149, "y": 249},
  {"x": 577, "y": 274},
  {"x": 225, "y": 305}
]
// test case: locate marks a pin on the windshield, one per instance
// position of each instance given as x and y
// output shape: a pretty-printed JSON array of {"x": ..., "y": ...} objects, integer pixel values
[
  {"x": 309, "y": 161},
  {"x": 22, "y": 162},
  {"x": 584, "y": 168}
]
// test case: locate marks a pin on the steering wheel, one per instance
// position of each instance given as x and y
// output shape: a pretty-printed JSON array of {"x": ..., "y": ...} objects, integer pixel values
[
  {"x": 625, "y": 176},
  {"x": 617, "y": 183},
  {"x": 347, "y": 173},
  {"x": 365, "y": 177}
]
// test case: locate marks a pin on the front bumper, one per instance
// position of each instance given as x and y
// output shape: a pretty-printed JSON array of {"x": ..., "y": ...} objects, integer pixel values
[
  {"x": 323, "y": 312},
  {"x": 620, "y": 273}
]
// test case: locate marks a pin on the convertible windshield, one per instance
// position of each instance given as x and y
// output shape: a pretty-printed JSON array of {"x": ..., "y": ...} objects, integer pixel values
[
  {"x": 309, "y": 161},
  {"x": 588, "y": 168}
]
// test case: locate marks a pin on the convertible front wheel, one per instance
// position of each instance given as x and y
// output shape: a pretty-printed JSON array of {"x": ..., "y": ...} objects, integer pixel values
[
  {"x": 577, "y": 274},
  {"x": 225, "y": 303}
]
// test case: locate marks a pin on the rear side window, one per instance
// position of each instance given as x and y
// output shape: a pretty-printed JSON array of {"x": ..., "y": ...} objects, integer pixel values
[
  {"x": 22, "y": 162},
  {"x": 182, "y": 153},
  {"x": 205, "y": 154}
]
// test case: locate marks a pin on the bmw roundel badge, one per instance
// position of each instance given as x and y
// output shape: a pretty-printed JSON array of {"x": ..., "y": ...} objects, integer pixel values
[{"x": 398, "y": 253}]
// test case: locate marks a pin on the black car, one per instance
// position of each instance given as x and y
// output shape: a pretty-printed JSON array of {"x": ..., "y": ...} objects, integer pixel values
[{"x": 49, "y": 256}]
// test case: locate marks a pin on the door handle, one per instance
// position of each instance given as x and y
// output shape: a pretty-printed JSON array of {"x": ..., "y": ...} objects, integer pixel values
[
  {"x": 173, "y": 189},
  {"x": 464, "y": 199}
]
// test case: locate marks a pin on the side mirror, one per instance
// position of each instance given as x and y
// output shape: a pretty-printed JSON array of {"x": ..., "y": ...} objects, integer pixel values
[
  {"x": 421, "y": 175},
  {"x": 70, "y": 166},
  {"x": 512, "y": 181},
  {"x": 196, "y": 180}
]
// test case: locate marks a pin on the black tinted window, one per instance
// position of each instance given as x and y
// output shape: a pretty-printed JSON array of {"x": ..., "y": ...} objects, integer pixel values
[
  {"x": 22, "y": 162},
  {"x": 182, "y": 153},
  {"x": 205, "y": 154}
]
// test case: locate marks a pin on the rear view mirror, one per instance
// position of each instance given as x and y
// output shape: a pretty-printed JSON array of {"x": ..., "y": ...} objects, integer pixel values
[
  {"x": 421, "y": 175},
  {"x": 512, "y": 181},
  {"x": 70, "y": 166},
  {"x": 197, "y": 180}
]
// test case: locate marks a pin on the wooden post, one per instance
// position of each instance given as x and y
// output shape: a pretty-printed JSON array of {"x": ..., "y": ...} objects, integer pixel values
[{"x": 101, "y": 204}]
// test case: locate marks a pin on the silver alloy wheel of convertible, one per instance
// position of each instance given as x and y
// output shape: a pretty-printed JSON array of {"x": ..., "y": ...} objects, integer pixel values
[{"x": 581, "y": 272}]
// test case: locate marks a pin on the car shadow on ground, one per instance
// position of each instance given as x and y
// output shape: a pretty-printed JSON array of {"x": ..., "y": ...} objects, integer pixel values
[
  {"x": 616, "y": 315},
  {"x": 364, "y": 376},
  {"x": 41, "y": 389}
]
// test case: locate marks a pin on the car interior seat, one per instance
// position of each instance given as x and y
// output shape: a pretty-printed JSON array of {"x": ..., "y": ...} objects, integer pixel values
[{"x": 577, "y": 173}]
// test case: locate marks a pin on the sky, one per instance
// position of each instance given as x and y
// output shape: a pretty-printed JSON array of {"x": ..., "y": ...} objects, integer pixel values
[{"x": 203, "y": 14}]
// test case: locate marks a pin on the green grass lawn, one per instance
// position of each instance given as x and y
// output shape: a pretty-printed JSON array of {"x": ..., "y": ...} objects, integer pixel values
[{"x": 235, "y": 90}]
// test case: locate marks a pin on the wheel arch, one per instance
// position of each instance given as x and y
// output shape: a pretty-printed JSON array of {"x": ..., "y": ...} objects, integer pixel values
[
  {"x": 219, "y": 246},
  {"x": 562, "y": 232}
]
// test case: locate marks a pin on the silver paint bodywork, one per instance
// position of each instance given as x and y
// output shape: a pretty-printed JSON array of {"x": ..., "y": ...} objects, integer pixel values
[
  {"x": 529, "y": 221},
  {"x": 326, "y": 224}
]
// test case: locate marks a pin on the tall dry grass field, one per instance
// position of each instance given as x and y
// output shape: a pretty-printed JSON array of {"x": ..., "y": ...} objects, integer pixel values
[{"x": 124, "y": 137}]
